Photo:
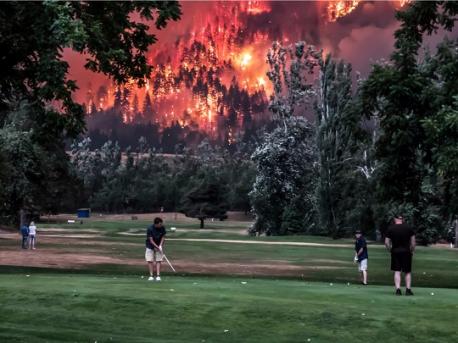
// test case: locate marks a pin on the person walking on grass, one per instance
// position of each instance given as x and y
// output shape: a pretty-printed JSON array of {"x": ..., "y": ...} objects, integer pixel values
[
  {"x": 32, "y": 234},
  {"x": 25, "y": 236},
  {"x": 361, "y": 256},
  {"x": 400, "y": 241},
  {"x": 155, "y": 236}
]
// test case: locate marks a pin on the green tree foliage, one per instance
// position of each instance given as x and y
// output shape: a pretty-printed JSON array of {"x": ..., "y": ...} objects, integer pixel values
[
  {"x": 283, "y": 195},
  {"x": 144, "y": 181},
  {"x": 404, "y": 94},
  {"x": 206, "y": 200},
  {"x": 36, "y": 177},
  {"x": 338, "y": 130},
  {"x": 34, "y": 72}
]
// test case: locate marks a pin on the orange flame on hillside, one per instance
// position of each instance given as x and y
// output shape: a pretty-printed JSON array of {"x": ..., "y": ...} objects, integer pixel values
[{"x": 213, "y": 76}]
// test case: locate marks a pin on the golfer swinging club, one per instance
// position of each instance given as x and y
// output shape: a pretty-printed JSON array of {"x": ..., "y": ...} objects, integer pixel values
[{"x": 155, "y": 236}]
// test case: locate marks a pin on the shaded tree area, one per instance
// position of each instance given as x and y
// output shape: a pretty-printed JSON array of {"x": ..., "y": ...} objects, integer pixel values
[
  {"x": 411, "y": 95},
  {"x": 386, "y": 145},
  {"x": 142, "y": 181},
  {"x": 206, "y": 200},
  {"x": 37, "y": 112}
]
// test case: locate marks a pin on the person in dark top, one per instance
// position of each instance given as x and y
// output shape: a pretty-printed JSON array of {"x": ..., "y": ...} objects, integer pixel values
[
  {"x": 400, "y": 241},
  {"x": 155, "y": 236},
  {"x": 361, "y": 255},
  {"x": 25, "y": 236}
]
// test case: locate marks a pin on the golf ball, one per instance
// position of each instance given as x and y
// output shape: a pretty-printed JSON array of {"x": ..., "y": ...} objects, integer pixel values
[
  {"x": 432, "y": 293},
  {"x": 330, "y": 284}
]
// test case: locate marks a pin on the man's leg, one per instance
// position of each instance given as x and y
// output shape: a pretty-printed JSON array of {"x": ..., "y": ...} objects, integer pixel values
[
  {"x": 408, "y": 279},
  {"x": 397, "y": 280},
  {"x": 151, "y": 269},
  {"x": 365, "y": 277},
  {"x": 158, "y": 268}
]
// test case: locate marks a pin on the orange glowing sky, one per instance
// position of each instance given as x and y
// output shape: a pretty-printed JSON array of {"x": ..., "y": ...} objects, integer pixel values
[{"x": 360, "y": 32}]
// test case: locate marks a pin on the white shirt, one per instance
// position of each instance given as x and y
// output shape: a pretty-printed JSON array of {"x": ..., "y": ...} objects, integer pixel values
[{"x": 32, "y": 230}]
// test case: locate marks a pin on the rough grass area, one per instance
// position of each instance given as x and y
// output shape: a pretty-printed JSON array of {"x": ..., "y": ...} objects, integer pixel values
[{"x": 84, "y": 308}]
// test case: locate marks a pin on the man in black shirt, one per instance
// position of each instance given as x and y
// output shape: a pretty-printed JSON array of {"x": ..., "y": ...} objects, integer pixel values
[
  {"x": 155, "y": 236},
  {"x": 400, "y": 241}
]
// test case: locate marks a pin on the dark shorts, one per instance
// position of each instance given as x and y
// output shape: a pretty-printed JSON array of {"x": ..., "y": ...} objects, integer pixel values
[{"x": 401, "y": 262}]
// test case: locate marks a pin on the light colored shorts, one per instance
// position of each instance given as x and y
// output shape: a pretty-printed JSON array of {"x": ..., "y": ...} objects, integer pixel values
[
  {"x": 153, "y": 255},
  {"x": 362, "y": 266}
]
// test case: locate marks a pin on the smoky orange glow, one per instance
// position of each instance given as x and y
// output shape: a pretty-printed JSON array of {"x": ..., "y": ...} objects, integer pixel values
[{"x": 194, "y": 76}]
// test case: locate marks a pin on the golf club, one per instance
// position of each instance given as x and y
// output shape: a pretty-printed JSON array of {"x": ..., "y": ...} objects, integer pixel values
[{"x": 167, "y": 260}]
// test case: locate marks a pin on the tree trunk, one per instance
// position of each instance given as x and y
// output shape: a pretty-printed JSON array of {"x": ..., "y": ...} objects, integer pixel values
[
  {"x": 201, "y": 223},
  {"x": 22, "y": 218},
  {"x": 456, "y": 233}
]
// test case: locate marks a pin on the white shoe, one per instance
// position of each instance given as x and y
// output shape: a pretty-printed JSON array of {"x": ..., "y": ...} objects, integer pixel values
[
  {"x": 158, "y": 278},
  {"x": 151, "y": 278}
]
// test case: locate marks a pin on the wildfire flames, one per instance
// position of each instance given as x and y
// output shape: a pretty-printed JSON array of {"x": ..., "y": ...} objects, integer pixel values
[{"x": 212, "y": 77}]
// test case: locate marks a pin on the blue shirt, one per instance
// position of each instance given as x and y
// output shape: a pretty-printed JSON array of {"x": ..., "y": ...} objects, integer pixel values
[
  {"x": 361, "y": 243},
  {"x": 25, "y": 230},
  {"x": 156, "y": 234}
]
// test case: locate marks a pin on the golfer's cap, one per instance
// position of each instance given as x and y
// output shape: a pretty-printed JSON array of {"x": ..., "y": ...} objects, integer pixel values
[{"x": 358, "y": 232}]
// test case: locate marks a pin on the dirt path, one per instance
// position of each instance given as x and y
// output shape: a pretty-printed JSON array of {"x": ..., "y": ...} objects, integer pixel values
[{"x": 59, "y": 259}]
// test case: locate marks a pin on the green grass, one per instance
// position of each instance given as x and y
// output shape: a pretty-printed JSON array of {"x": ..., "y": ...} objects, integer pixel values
[
  {"x": 111, "y": 303},
  {"x": 86, "y": 308},
  {"x": 432, "y": 267}
]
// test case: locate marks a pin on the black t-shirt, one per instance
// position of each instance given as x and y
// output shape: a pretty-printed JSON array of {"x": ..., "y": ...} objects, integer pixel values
[
  {"x": 156, "y": 234},
  {"x": 400, "y": 235},
  {"x": 361, "y": 243}
]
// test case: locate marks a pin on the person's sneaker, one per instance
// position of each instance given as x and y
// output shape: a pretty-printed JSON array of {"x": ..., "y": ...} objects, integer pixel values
[
  {"x": 398, "y": 292},
  {"x": 151, "y": 278},
  {"x": 409, "y": 291},
  {"x": 158, "y": 278}
]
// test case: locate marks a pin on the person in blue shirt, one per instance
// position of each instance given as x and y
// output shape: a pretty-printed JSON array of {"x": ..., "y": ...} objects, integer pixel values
[
  {"x": 25, "y": 236},
  {"x": 155, "y": 236},
  {"x": 361, "y": 255}
]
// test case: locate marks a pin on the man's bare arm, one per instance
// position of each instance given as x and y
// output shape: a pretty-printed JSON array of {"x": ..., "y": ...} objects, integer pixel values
[
  {"x": 388, "y": 243},
  {"x": 152, "y": 242},
  {"x": 413, "y": 244}
]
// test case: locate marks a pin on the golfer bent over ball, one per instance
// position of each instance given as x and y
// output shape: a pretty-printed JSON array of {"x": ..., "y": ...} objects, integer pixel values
[{"x": 155, "y": 236}]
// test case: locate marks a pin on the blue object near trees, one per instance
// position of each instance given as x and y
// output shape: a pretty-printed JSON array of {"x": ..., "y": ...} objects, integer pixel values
[{"x": 84, "y": 213}]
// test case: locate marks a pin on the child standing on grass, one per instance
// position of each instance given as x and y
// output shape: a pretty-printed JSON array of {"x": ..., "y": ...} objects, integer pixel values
[
  {"x": 25, "y": 236},
  {"x": 32, "y": 234},
  {"x": 361, "y": 255}
]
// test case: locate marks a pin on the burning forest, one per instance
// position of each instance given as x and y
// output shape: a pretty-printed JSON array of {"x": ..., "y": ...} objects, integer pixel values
[{"x": 210, "y": 79}]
